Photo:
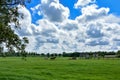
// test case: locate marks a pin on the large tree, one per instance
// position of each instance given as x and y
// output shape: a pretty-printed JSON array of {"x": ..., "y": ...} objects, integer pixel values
[{"x": 9, "y": 14}]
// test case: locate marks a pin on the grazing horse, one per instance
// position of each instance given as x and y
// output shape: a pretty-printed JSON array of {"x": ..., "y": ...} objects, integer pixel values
[{"x": 53, "y": 58}]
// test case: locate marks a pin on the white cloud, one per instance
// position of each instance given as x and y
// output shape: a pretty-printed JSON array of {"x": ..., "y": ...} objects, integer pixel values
[
  {"x": 94, "y": 30},
  {"x": 91, "y": 13},
  {"x": 69, "y": 25},
  {"x": 54, "y": 11},
  {"x": 25, "y": 22},
  {"x": 82, "y": 3}
]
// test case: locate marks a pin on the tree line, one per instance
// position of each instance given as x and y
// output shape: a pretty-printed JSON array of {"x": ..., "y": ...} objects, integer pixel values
[{"x": 64, "y": 54}]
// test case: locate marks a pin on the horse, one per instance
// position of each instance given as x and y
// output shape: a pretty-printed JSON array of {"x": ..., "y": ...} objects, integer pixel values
[{"x": 53, "y": 58}]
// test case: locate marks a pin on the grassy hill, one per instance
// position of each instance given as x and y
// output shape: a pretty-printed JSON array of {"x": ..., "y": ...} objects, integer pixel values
[{"x": 36, "y": 68}]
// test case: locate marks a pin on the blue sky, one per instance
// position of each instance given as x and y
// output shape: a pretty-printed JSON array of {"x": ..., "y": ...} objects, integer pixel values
[
  {"x": 71, "y": 25},
  {"x": 112, "y": 4}
]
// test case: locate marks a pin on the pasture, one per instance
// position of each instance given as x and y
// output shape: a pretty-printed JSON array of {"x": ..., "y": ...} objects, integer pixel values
[{"x": 37, "y": 68}]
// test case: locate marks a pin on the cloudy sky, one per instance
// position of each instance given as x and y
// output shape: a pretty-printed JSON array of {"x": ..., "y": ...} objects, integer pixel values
[{"x": 71, "y": 25}]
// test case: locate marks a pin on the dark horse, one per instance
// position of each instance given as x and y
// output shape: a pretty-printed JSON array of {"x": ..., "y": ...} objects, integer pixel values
[{"x": 53, "y": 58}]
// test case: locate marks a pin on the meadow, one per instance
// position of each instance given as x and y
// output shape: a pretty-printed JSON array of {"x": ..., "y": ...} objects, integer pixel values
[{"x": 37, "y": 68}]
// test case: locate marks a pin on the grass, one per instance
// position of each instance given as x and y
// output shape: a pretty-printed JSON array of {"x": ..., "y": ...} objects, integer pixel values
[{"x": 36, "y": 68}]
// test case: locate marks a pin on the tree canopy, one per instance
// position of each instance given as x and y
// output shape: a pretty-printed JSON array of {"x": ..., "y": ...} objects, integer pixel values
[{"x": 9, "y": 14}]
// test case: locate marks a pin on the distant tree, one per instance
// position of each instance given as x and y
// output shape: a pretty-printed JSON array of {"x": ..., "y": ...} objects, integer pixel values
[
  {"x": 90, "y": 55},
  {"x": 64, "y": 54},
  {"x": 118, "y": 53},
  {"x": 52, "y": 55},
  {"x": 101, "y": 54},
  {"x": 48, "y": 55},
  {"x": 55, "y": 54},
  {"x": 42, "y": 54},
  {"x": 60, "y": 55},
  {"x": 1, "y": 49}
]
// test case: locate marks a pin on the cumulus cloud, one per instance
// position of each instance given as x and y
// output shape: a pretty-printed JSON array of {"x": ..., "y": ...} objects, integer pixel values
[
  {"x": 82, "y": 3},
  {"x": 47, "y": 28},
  {"x": 92, "y": 12},
  {"x": 94, "y": 30},
  {"x": 98, "y": 41},
  {"x": 25, "y": 22},
  {"x": 69, "y": 25},
  {"x": 54, "y": 11}
]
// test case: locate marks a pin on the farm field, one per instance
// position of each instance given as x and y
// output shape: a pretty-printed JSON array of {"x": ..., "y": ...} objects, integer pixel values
[{"x": 37, "y": 68}]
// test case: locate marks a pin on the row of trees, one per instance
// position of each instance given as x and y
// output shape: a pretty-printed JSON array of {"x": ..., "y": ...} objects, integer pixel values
[{"x": 64, "y": 54}]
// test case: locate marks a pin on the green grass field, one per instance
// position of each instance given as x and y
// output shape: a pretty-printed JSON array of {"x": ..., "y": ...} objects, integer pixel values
[{"x": 36, "y": 68}]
